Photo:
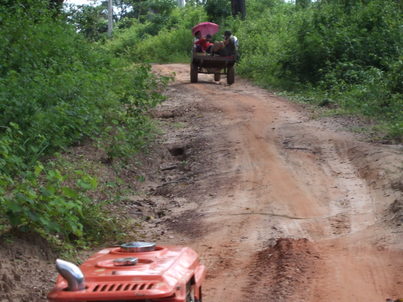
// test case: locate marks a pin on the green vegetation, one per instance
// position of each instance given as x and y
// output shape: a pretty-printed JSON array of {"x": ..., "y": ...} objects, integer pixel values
[
  {"x": 56, "y": 90},
  {"x": 63, "y": 83},
  {"x": 173, "y": 42},
  {"x": 344, "y": 54}
]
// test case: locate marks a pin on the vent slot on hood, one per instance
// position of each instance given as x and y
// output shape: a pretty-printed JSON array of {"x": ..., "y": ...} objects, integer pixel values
[{"x": 122, "y": 287}]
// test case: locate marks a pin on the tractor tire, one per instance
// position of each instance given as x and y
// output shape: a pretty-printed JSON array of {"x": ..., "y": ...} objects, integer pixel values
[
  {"x": 217, "y": 77},
  {"x": 230, "y": 75},
  {"x": 193, "y": 73}
]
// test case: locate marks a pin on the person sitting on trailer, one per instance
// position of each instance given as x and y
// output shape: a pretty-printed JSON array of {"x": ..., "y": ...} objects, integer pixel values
[
  {"x": 209, "y": 43},
  {"x": 203, "y": 44},
  {"x": 228, "y": 47},
  {"x": 196, "y": 40}
]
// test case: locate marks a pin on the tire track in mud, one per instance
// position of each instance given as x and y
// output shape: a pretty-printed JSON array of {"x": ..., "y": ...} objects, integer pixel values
[{"x": 276, "y": 177}]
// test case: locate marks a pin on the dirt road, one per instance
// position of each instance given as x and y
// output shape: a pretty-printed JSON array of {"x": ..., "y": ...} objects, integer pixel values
[
  {"x": 280, "y": 206},
  {"x": 283, "y": 207}
]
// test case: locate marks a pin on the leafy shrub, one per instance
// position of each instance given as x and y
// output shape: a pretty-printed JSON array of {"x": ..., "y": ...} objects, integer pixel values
[
  {"x": 347, "y": 51},
  {"x": 168, "y": 46},
  {"x": 172, "y": 44},
  {"x": 57, "y": 89}
]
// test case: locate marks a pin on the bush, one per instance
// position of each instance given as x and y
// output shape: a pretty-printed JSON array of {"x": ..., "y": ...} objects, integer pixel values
[
  {"x": 348, "y": 52},
  {"x": 57, "y": 89},
  {"x": 173, "y": 42}
]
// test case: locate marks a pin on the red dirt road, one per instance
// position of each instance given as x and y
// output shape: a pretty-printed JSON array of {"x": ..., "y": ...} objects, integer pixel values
[
  {"x": 280, "y": 205},
  {"x": 287, "y": 208}
]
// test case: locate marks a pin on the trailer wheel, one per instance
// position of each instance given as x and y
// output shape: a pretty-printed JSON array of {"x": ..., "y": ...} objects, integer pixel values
[
  {"x": 230, "y": 75},
  {"x": 193, "y": 73},
  {"x": 217, "y": 77}
]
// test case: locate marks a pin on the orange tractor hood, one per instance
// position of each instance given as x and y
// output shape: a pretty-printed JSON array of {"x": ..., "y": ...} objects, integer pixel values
[{"x": 161, "y": 273}]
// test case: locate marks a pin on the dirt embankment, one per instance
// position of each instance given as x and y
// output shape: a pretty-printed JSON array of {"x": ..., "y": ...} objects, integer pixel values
[{"x": 280, "y": 206}]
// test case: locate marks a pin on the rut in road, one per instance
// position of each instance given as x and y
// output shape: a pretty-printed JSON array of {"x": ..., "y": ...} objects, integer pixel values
[{"x": 283, "y": 212}]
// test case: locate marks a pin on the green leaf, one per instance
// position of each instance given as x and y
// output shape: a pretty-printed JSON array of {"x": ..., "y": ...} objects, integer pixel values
[
  {"x": 38, "y": 169},
  {"x": 69, "y": 192}
]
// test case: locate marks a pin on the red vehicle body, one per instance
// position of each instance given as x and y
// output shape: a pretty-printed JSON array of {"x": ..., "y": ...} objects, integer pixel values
[{"x": 166, "y": 273}]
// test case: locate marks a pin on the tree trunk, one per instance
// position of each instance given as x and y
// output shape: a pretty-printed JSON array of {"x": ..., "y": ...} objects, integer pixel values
[{"x": 238, "y": 8}]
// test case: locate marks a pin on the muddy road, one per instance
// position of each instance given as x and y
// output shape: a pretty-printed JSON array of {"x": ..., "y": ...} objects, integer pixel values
[{"x": 281, "y": 206}]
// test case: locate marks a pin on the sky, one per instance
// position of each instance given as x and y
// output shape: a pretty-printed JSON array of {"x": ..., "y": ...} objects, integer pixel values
[{"x": 77, "y": 2}]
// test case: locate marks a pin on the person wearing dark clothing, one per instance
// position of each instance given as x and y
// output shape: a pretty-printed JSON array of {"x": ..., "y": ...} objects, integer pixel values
[{"x": 228, "y": 47}]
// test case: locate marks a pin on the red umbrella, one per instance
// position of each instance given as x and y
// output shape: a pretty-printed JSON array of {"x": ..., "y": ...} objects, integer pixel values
[{"x": 206, "y": 28}]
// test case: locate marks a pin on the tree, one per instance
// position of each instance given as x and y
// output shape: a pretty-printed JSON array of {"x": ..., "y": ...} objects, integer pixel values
[
  {"x": 52, "y": 4},
  {"x": 139, "y": 8},
  {"x": 217, "y": 10},
  {"x": 303, "y": 3},
  {"x": 238, "y": 8},
  {"x": 56, "y": 4},
  {"x": 91, "y": 21}
]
